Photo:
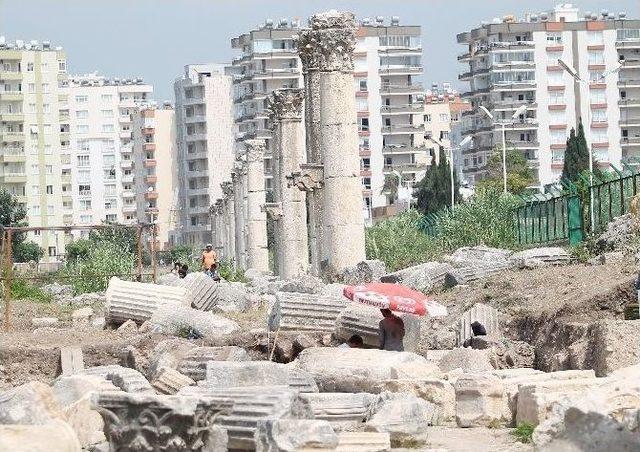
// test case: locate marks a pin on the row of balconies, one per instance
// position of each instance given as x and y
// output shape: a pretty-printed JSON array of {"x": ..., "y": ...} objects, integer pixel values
[
  {"x": 403, "y": 128},
  {"x": 404, "y": 108}
]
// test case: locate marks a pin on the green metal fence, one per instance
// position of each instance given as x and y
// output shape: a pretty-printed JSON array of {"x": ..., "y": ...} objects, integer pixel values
[{"x": 612, "y": 194}]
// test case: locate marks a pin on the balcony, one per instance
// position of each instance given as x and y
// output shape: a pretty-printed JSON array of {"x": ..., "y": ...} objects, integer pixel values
[
  {"x": 630, "y": 141},
  {"x": 129, "y": 208},
  {"x": 630, "y": 44},
  {"x": 65, "y": 179},
  {"x": 150, "y": 163},
  {"x": 153, "y": 210},
  {"x": 67, "y": 220},
  {"x": 402, "y": 149},
  {"x": 126, "y": 164},
  {"x": 400, "y": 109},
  {"x": 148, "y": 130},
  {"x": 12, "y": 137},
  {"x": 149, "y": 147},
  {"x": 402, "y": 128},
  {"x": 414, "y": 88},
  {"x": 11, "y": 117},
  {"x": 524, "y": 144},
  {"x": 128, "y": 193},
  {"x": 84, "y": 193},
  {"x": 14, "y": 178},
  {"x": 629, "y": 103},
  {"x": 12, "y": 96},
  {"x": 10, "y": 75},
  {"x": 398, "y": 70},
  {"x": 126, "y": 149},
  {"x": 404, "y": 167},
  {"x": 127, "y": 178},
  {"x": 629, "y": 83},
  {"x": 277, "y": 73},
  {"x": 150, "y": 179},
  {"x": 193, "y": 119},
  {"x": 197, "y": 137},
  {"x": 151, "y": 195},
  {"x": 11, "y": 154}
]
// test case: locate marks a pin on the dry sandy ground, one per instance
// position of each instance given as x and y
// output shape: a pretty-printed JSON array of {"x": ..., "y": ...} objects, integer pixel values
[{"x": 474, "y": 440}]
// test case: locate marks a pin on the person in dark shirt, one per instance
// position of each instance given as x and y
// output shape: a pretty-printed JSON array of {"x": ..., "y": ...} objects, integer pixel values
[{"x": 391, "y": 331}]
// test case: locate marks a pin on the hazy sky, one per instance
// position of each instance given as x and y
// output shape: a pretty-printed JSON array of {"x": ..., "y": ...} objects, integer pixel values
[{"x": 154, "y": 39}]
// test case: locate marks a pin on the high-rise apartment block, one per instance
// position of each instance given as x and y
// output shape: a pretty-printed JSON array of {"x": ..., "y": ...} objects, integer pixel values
[
  {"x": 34, "y": 134},
  {"x": 205, "y": 147},
  {"x": 387, "y": 66},
  {"x": 155, "y": 169},
  {"x": 100, "y": 162},
  {"x": 514, "y": 62}
]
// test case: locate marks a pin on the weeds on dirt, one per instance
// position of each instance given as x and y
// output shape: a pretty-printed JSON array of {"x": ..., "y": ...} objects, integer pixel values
[
  {"x": 523, "y": 432},
  {"x": 23, "y": 290}
]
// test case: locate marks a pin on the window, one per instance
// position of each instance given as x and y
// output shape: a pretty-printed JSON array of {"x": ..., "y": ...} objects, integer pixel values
[
  {"x": 444, "y": 135},
  {"x": 110, "y": 204},
  {"x": 109, "y": 174},
  {"x": 554, "y": 38},
  {"x": 82, "y": 98},
  {"x": 596, "y": 57},
  {"x": 110, "y": 190},
  {"x": 108, "y": 160},
  {"x": 48, "y": 169},
  {"x": 106, "y": 98},
  {"x": 45, "y": 88},
  {"x": 556, "y": 97},
  {"x": 362, "y": 104},
  {"x": 107, "y": 128},
  {"x": 364, "y": 143},
  {"x": 555, "y": 78},
  {"x": 362, "y": 84},
  {"x": 62, "y": 66},
  {"x": 48, "y": 149},
  {"x": 82, "y": 128},
  {"x": 84, "y": 176},
  {"x": 629, "y": 34},
  {"x": 85, "y": 204},
  {"x": 50, "y": 210},
  {"x": 82, "y": 114},
  {"x": 427, "y": 117},
  {"x": 599, "y": 115},
  {"x": 83, "y": 161},
  {"x": 558, "y": 136},
  {"x": 366, "y": 182},
  {"x": 46, "y": 108},
  {"x": 107, "y": 113},
  {"x": 599, "y": 136},
  {"x": 595, "y": 37},
  {"x": 35, "y": 169},
  {"x": 46, "y": 129},
  {"x": 32, "y": 108},
  {"x": 363, "y": 124},
  {"x": 597, "y": 96},
  {"x": 444, "y": 117},
  {"x": 557, "y": 117},
  {"x": 44, "y": 66},
  {"x": 29, "y": 67},
  {"x": 85, "y": 219},
  {"x": 35, "y": 190},
  {"x": 35, "y": 210},
  {"x": 31, "y": 87}
]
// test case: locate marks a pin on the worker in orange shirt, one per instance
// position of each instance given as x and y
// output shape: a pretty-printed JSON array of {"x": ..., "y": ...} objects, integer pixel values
[{"x": 209, "y": 257}]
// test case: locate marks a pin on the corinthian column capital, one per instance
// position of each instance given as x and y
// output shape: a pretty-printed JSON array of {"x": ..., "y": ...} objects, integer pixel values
[
  {"x": 329, "y": 45},
  {"x": 285, "y": 104},
  {"x": 255, "y": 150}
]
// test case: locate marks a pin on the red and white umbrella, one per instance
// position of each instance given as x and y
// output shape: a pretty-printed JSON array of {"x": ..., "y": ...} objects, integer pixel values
[{"x": 395, "y": 297}]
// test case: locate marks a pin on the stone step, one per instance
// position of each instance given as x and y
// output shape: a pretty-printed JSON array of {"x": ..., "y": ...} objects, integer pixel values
[
  {"x": 71, "y": 360},
  {"x": 305, "y": 312},
  {"x": 138, "y": 301},
  {"x": 129, "y": 380}
]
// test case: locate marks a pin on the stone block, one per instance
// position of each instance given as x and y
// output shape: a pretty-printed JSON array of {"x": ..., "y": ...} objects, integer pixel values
[
  {"x": 404, "y": 417},
  {"x": 505, "y": 353},
  {"x": 467, "y": 359},
  {"x": 250, "y": 405},
  {"x": 482, "y": 313},
  {"x": 302, "y": 284},
  {"x": 129, "y": 380},
  {"x": 202, "y": 290},
  {"x": 169, "y": 381},
  {"x": 168, "y": 353},
  {"x": 128, "y": 327},
  {"x": 233, "y": 297},
  {"x": 71, "y": 360},
  {"x": 358, "y": 370},
  {"x": 31, "y": 403},
  {"x": 69, "y": 389},
  {"x": 180, "y": 320},
  {"x": 85, "y": 421},
  {"x": 54, "y": 436},
  {"x": 194, "y": 362},
  {"x": 363, "y": 442},
  {"x": 138, "y": 301},
  {"x": 547, "y": 255},
  {"x": 305, "y": 312},
  {"x": 535, "y": 401},
  {"x": 364, "y": 272},
  {"x": 423, "y": 277},
  {"x": 481, "y": 401},
  {"x": 465, "y": 275},
  {"x": 169, "y": 279},
  {"x": 292, "y": 435},
  {"x": 228, "y": 374},
  {"x": 480, "y": 256},
  {"x": 614, "y": 344},
  {"x": 436, "y": 391},
  {"x": 364, "y": 321},
  {"x": 82, "y": 317},
  {"x": 343, "y": 410}
]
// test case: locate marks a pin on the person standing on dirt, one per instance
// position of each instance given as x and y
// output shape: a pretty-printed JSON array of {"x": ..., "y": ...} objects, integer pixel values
[
  {"x": 209, "y": 257},
  {"x": 391, "y": 332}
]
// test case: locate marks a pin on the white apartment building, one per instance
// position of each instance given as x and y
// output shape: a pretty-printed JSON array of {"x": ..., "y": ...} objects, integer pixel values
[
  {"x": 155, "y": 169},
  {"x": 514, "y": 62},
  {"x": 100, "y": 163},
  {"x": 34, "y": 134},
  {"x": 387, "y": 65},
  {"x": 205, "y": 147}
]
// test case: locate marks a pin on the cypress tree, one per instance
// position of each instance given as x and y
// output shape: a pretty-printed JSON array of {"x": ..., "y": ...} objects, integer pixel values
[
  {"x": 576, "y": 155},
  {"x": 433, "y": 192}
]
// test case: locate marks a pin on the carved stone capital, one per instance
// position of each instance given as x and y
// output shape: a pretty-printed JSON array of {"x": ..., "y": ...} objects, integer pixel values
[
  {"x": 309, "y": 179},
  {"x": 255, "y": 150},
  {"x": 227, "y": 189},
  {"x": 273, "y": 209},
  {"x": 329, "y": 45},
  {"x": 158, "y": 423},
  {"x": 285, "y": 104},
  {"x": 219, "y": 206}
]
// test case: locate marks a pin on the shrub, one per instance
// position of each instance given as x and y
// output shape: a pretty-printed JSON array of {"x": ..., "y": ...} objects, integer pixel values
[
  {"x": 23, "y": 290},
  {"x": 27, "y": 252},
  {"x": 227, "y": 272},
  {"x": 399, "y": 243},
  {"x": 103, "y": 261},
  {"x": 78, "y": 250}
]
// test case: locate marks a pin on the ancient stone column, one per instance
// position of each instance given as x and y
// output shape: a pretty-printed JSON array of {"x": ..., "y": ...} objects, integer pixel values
[
  {"x": 306, "y": 51},
  {"x": 238, "y": 203},
  {"x": 229, "y": 221},
  {"x": 286, "y": 109},
  {"x": 343, "y": 223},
  {"x": 219, "y": 237},
  {"x": 257, "y": 253}
]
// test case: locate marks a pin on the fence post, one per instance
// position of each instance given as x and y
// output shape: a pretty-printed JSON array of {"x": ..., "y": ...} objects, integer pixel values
[
  {"x": 8, "y": 279},
  {"x": 154, "y": 264},
  {"x": 575, "y": 220},
  {"x": 139, "y": 252}
]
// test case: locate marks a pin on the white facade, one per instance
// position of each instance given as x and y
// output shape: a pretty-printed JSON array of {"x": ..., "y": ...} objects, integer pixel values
[
  {"x": 205, "y": 147},
  {"x": 387, "y": 65},
  {"x": 34, "y": 135},
  {"x": 514, "y": 63},
  {"x": 100, "y": 162}
]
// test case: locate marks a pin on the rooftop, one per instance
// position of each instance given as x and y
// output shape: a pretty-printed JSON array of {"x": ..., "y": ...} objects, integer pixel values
[
  {"x": 94, "y": 79},
  {"x": 20, "y": 44}
]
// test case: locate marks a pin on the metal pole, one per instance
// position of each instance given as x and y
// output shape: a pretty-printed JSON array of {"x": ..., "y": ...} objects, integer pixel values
[
  {"x": 453, "y": 188},
  {"x": 154, "y": 266},
  {"x": 504, "y": 158},
  {"x": 8, "y": 279},
  {"x": 139, "y": 252}
]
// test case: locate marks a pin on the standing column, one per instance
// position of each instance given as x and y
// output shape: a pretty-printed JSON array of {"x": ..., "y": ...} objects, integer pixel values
[
  {"x": 257, "y": 252},
  {"x": 286, "y": 108},
  {"x": 219, "y": 235},
  {"x": 238, "y": 202},
  {"x": 310, "y": 72},
  {"x": 343, "y": 222},
  {"x": 230, "y": 221}
]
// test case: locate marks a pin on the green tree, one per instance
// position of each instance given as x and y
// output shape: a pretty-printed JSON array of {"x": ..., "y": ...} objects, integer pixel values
[
  {"x": 433, "y": 192},
  {"x": 391, "y": 186},
  {"x": 27, "y": 252},
  {"x": 12, "y": 214},
  {"x": 576, "y": 154},
  {"x": 78, "y": 250},
  {"x": 519, "y": 175}
]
